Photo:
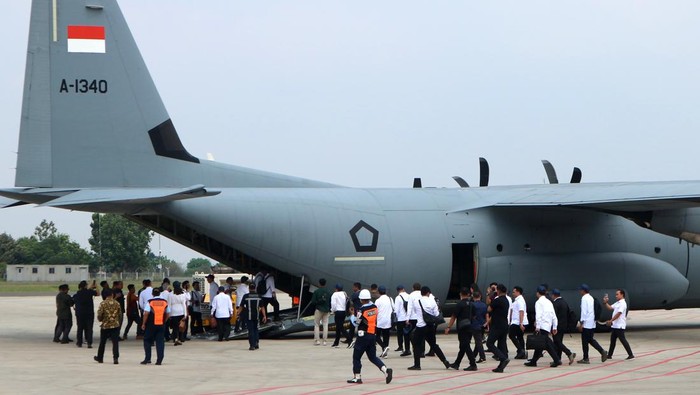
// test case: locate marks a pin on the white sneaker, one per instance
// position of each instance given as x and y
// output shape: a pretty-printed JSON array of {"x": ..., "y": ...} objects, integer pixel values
[
  {"x": 324, "y": 343},
  {"x": 317, "y": 343}
]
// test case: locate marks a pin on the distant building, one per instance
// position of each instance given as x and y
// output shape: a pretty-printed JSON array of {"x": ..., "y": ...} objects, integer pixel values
[{"x": 47, "y": 273}]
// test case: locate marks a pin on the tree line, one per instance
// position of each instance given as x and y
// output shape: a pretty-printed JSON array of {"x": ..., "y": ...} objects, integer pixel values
[{"x": 116, "y": 245}]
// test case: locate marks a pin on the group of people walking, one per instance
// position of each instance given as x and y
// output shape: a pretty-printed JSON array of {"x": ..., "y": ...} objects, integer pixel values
[{"x": 496, "y": 317}]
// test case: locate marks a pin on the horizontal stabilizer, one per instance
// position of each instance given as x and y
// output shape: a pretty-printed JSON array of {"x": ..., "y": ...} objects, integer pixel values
[
  {"x": 7, "y": 203},
  {"x": 85, "y": 197}
]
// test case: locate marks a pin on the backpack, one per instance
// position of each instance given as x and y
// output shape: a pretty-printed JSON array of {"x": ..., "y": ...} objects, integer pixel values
[
  {"x": 261, "y": 285},
  {"x": 597, "y": 309},
  {"x": 466, "y": 322}
]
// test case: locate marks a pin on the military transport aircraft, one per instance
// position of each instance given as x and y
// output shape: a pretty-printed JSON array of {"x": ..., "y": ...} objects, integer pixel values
[{"x": 96, "y": 137}]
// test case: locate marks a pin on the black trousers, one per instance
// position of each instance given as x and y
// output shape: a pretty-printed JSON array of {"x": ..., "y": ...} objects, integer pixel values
[
  {"x": 479, "y": 343},
  {"x": 365, "y": 345},
  {"x": 559, "y": 345},
  {"x": 175, "y": 326},
  {"x": 154, "y": 334},
  {"x": 383, "y": 335},
  {"x": 465, "y": 347},
  {"x": 108, "y": 334},
  {"x": 404, "y": 339},
  {"x": 275, "y": 305},
  {"x": 549, "y": 346},
  {"x": 63, "y": 327},
  {"x": 339, "y": 319},
  {"x": 223, "y": 327},
  {"x": 132, "y": 317},
  {"x": 516, "y": 336},
  {"x": 499, "y": 336},
  {"x": 85, "y": 324},
  {"x": 196, "y": 323},
  {"x": 619, "y": 334},
  {"x": 586, "y": 339},
  {"x": 420, "y": 336}
]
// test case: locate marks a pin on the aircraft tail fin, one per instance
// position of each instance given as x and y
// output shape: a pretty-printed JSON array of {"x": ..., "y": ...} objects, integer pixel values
[{"x": 91, "y": 114}]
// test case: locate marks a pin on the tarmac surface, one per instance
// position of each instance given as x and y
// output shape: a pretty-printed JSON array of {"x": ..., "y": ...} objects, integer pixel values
[{"x": 666, "y": 345}]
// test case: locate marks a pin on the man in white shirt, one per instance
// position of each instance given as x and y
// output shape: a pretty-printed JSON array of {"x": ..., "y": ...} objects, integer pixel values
[
  {"x": 424, "y": 331},
  {"x": 222, "y": 309},
  {"x": 587, "y": 325},
  {"x": 213, "y": 287},
  {"x": 270, "y": 295},
  {"x": 618, "y": 323},
  {"x": 241, "y": 291},
  {"x": 146, "y": 294},
  {"x": 518, "y": 321},
  {"x": 546, "y": 322},
  {"x": 385, "y": 308},
  {"x": 412, "y": 318},
  {"x": 339, "y": 305},
  {"x": 401, "y": 309}
]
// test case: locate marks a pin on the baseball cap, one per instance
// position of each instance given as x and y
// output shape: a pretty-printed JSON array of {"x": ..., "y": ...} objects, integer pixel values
[
  {"x": 584, "y": 287},
  {"x": 556, "y": 291}
]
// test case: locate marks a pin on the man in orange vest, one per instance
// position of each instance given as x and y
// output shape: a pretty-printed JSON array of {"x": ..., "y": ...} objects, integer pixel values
[
  {"x": 366, "y": 323},
  {"x": 155, "y": 315}
]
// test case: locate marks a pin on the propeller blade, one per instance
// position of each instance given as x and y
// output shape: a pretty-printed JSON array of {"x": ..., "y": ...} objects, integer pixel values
[
  {"x": 551, "y": 173},
  {"x": 483, "y": 172},
  {"x": 576, "y": 176},
  {"x": 417, "y": 183},
  {"x": 460, "y": 181}
]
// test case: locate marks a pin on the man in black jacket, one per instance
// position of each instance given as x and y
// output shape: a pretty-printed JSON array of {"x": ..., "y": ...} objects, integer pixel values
[
  {"x": 498, "y": 324},
  {"x": 561, "y": 308}
]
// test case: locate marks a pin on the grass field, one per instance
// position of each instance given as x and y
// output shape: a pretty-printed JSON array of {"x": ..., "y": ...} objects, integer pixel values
[{"x": 32, "y": 288}]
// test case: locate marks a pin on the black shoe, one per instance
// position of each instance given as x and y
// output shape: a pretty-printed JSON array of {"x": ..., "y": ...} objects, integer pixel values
[
  {"x": 521, "y": 355},
  {"x": 70, "y": 340},
  {"x": 116, "y": 361},
  {"x": 256, "y": 347},
  {"x": 494, "y": 357},
  {"x": 89, "y": 345},
  {"x": 530, "y": 363},
  {"x": 454, "y": 366},
  {"x": 64, "y": 342},
  {"x": 501, "y": 366},
  {"x": 554, "y": 364},
  {"x": 145, "y": 362},
  {"x": 414, "y": 367},
  {"x": 630, "y": 357},
  {"x": 97, "y": 359},
  {"x": 399, "y": 349},
  {"x": 56, "y": 341},
  {"x": 447, "y": 364},
  {"x": 355, "y": 381},
  {"x": 609, "y": 356},
  {"x": 470, "y": 368},
  {"x": 603, "y": 357},
  {"x": 584, "y": 361},
  {"x": 159, "y": 362},
  {"x": 389, "y": 375},
  {"x": 251, "y": 348},
  {"x": 405, "y": 354},
  {"x": 481, "y": 360},
  {"x": 430, "y": 354},
  {"x": 78, "y": 345}
]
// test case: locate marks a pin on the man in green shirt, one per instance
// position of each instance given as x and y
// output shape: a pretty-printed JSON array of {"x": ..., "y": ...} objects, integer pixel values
[
  {"x": 322, "y": 300},
  {"x": 64, "y": 315}
]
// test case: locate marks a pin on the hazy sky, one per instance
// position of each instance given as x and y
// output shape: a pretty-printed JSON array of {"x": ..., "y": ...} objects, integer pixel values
[{"x": 374, "y": 93}]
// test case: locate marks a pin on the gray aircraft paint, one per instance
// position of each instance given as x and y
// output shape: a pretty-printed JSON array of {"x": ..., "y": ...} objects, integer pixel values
[{"x": 92, "y": 151}]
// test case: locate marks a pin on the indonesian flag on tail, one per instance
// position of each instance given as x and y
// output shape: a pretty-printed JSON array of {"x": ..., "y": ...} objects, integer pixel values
[{"x": 86, "y": 39}]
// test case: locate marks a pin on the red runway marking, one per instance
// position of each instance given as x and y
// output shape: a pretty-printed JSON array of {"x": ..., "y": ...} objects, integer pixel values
[{"x": 599, "y": 381}]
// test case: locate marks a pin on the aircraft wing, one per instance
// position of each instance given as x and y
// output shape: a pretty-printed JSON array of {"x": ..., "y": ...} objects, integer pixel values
[
  {"x": 610, "y": 197},
  {"x": 83, "y": 199}
]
